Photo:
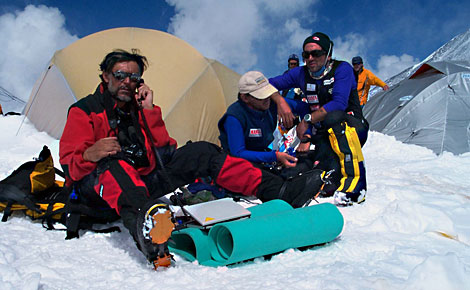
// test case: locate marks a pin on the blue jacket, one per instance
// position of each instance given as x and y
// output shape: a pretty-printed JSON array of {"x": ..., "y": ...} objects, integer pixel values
[
  {"x": 344, "y": 84},
  {"x": 247, "y": 133}
]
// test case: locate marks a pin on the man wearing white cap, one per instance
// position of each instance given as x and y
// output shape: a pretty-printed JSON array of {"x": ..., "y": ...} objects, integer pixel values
[{"x": 246, "y": 129}]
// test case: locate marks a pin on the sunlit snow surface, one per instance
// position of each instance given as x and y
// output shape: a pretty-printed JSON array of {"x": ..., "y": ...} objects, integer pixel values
[{"x": 413, "y": 232}]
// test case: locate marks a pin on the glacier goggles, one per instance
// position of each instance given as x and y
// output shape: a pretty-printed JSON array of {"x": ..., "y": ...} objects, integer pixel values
[
  {"x": 122, "y": 75},
  {"x": 314, "y": 53}
]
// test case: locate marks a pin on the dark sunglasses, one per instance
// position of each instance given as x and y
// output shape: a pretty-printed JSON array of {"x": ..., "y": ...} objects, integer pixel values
[
  {"x": 314, "y": 53},
  {"x": 122, "y": 75},
  {"x": 293, "y": 63}
]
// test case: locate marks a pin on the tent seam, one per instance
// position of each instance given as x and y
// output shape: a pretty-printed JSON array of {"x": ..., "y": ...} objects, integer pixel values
[
  {"x": 445, "y": 115},
  {"x": 191, "y": 85}
]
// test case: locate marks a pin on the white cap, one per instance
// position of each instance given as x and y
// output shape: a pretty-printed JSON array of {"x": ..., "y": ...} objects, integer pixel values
[{"x": 256, "y": 84}]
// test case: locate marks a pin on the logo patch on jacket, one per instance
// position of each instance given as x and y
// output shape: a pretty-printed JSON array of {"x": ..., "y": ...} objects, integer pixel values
[
  {"x": 311, "y": 87},
  {"x": 312, "y": 99},
  {"x": 329, "y": 82},
  {"x": 255, "y": 133}
]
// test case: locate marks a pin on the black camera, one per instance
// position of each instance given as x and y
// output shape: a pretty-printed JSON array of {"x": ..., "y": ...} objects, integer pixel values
[
  {"x": 296, "y": 122},
  {"x": 135, "y": 155}
]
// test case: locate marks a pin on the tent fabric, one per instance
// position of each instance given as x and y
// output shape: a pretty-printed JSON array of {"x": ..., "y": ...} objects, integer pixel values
[
  {"x": 431, "y": 108},
  {"x": 192, "y": 91}
]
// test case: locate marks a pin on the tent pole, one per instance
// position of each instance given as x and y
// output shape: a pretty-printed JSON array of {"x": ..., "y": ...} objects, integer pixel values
[{"x": 32, "y": 101}]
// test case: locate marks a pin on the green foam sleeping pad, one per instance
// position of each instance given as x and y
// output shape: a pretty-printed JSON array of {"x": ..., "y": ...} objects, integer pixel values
[{"x": 273, "y": 227}]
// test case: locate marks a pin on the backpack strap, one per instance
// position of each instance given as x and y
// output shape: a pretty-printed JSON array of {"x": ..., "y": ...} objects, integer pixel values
[
  {"x": 47, "y": 218},
  {"x": 72, "y": 213},
  {"x": 7, "y": 211},
  {"x": 11, "y": 194},
  {"x": 59, "y": 172},
  {"x": 81, "y": 216}
]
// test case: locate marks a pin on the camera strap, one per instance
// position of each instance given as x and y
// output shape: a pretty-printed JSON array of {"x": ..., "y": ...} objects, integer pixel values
[
  {"x": 160, "y": 162},
  {"x": 109, "y": 107},
  {"x": 122, "y": 121}
]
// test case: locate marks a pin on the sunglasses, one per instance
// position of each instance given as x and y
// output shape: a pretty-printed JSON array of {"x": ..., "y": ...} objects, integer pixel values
[
  {"x": 122, "y": 75},
  {"x": 314, "y": 53}
]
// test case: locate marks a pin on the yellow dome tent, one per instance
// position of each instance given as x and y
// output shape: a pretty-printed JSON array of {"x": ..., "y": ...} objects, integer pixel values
[{"x": 192, "y": 91}]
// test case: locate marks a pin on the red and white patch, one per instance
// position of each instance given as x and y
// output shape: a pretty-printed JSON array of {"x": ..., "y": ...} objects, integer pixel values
[
  {"x": 255, "y": 133},
  {"x": 312, "y": 99},
  {"x": 316, "y": 38}
]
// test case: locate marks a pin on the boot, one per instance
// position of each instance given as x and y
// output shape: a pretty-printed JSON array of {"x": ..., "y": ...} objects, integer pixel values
[
  {"x": 349, "y": 198},
  {"x": 300, "y": 190},
  {"x": 154, "y": 226}
]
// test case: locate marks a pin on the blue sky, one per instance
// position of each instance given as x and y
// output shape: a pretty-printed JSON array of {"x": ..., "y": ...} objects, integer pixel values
[{"x": 244, "y": 35}]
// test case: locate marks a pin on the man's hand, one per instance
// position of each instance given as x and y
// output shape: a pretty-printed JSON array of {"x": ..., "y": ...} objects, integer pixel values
[
  {"x": 285, "y": 159},
  {"x": 303, "y": 147},
  {"x": 385, "y": 88},
  {"x": 283, "y": 110},
  {"x": 144, "y": 96},
  {"x": 102, "y": 148},
  {"x": 301, "y": 128}
]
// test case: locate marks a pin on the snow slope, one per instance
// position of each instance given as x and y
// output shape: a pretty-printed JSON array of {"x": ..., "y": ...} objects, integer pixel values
[{"x": 412, "y": 232}]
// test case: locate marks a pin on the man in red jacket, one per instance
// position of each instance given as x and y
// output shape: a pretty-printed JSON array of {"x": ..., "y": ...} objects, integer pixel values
[{"x": 115, "y": 144}]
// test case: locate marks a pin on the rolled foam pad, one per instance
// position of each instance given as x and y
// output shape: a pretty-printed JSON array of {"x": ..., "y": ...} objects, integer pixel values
[
  {"x": 194, "y": 244},
  {"x": 268, "y": 234},
  {"x": 273, "y": 227},
  {"x": 270, "y": 207}
]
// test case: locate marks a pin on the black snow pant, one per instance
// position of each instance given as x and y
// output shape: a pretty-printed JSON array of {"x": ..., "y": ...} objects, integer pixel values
[{"x": 335, "y": 148}]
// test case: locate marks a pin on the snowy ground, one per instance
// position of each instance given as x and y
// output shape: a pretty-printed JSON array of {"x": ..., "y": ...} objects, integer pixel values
[{"x": 412, "y": 232}]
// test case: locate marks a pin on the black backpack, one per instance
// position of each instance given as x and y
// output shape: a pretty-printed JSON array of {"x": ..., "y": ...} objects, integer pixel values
[{"x": 33, "y": 189}]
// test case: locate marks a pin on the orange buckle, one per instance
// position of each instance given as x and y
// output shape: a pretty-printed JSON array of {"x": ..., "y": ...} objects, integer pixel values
[{"x": 162, "y": 262}]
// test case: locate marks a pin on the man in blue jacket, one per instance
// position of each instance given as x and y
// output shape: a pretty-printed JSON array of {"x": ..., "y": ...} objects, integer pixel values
[
  {"x": 335, "y": 124},
  {"x": 293, "y": 93},
  {"x": 246, "y": 129}
]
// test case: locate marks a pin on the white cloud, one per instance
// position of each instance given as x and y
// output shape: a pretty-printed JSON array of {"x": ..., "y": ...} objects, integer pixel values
[
  {"x": 235, "y": 32},
  {"x": 390, "y": 65},
  {"x": 29, "y": 39},
  {"x": 221, "y": 30},
  {"x": 349, "y": 46},
  {"x": 293, "y": 42},
  {"x": 287, "y": 9},
  {"x": 353, "y": 44}
]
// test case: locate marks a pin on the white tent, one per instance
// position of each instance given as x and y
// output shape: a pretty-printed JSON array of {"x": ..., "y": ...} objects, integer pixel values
[
  {"x": 192, "y": 91},
  {"x": 431, "y": 108}
]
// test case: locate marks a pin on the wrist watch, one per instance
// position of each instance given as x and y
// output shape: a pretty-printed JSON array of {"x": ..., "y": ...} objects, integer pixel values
[
  {"x": 305, "y": 139},
  {"x": 308, "y": 118}
]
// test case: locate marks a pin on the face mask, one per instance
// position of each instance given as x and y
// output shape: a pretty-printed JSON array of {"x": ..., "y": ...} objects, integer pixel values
[{"x": 319, "y": 72}]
